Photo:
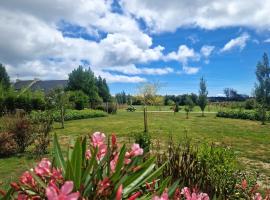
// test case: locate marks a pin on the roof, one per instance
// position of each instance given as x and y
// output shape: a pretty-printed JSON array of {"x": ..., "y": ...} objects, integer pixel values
[{"x": 45, "y": 85}]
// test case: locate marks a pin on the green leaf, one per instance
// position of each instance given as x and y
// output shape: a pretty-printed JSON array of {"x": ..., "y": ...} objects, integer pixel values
[
  {"x": 57, "y": 153},
  {"x": 76, "y": 163},
  {"x": 139, "y": 181},
  {"x": 8, "y": 195},
  {"x": 172, "y": 188},
  {"x": 38, "y": 180}
]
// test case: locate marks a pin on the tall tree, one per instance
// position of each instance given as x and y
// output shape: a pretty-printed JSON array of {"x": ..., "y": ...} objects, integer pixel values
[
  {"x": 4, "y": 78},
  {"x": 103, "y": 89},
  {"x": 202, "y": 99},
  {"x": 80, "y": 79},
  {"x": 262, "y": 87}
]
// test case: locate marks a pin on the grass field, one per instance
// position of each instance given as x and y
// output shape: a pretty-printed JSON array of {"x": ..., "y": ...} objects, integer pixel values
[{"x": 249, "y": 139}]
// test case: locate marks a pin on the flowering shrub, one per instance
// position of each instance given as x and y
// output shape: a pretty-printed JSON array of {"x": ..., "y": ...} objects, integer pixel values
[{"x": 99, "y": 170}]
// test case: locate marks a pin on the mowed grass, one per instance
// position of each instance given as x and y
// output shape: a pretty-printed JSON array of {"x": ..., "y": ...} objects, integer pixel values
[{"x": 249, "y": 139}]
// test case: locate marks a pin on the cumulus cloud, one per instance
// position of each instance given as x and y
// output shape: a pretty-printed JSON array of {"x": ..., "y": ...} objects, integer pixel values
[
  {"x": 208, "y": 14},
  {"x": 190, "y": 70},
  {"x": 206, "y": 50},
  {"x": 133, "y": 70},
  {"x": 183, "y": 54},
  {"x": 239, "y": 42}
]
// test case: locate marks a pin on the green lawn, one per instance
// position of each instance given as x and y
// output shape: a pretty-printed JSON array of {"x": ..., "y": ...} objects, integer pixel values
[{"x": 248, "y": 139}]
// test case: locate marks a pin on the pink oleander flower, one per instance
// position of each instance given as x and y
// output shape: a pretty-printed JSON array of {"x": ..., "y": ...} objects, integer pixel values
[
  {"x": 27, "y": 179},
  {"x": 22, "y": 196},
  {"x": 136, "y": 150},
  {"x": 114, "y": 162},
  {"x": 57, "y": 174},
  {"x": 114, "y": 142},
  {"x": 258, "y": 196},
  {"x": 103, "y": 185},
  {"x": 98, "y": 140},
  {"x": 43, "y": 168},
  {"x": 164, "y": 196},
  {"x": 194, "y": 196},
  {"x": 127, "y": 158},
  {"x": 119, "y": 192},
  {"x": 54, "y": 193},
  {"x": 244, "y": 184},
  {"x": 135, "y": 196},
  {"x": 88, "y": 154}
]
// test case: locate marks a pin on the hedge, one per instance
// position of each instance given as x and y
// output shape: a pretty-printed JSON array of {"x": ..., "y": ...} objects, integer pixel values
[
  {"x": 73, "y": 114},
  {"x": 251, "y": 115}
]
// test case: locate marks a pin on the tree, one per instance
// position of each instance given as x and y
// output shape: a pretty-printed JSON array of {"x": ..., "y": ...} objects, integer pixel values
[
  {"x": 58, "y": 99},
  {"x": 84, "y": 80},
  {"x": 4, "y": 78},
  {"x": 202, "y": 99},
  {"x": 121, "y": 98},
  {"x": 79, "y": 99},
  {"x": 232, "y": 94},
  {"x": 189, "y": 105},
  {"x": 262, "y": 87},
  {"x": 103, "y": 89}
]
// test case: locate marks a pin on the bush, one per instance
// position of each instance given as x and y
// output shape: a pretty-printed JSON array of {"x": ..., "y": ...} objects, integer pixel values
[
  {"x": 251, "y": 115},
  {"x": 210, "y": 168},
  {"x": 38, "y": 103},
  {"x": 8, "y": 145},
  {"x": 250, "y": 104},
  {"x": 42, "y": 127},
  {"x": 79, "y": 99},
  {"x": 23, "y": 102},
  {"x": 72, "y": 114},
  {"x": 9, "y": 103},
  {"x": 144, "y": 140},
  {"x": 176, "y": 109},
  {"x": 20, "y": 127}
]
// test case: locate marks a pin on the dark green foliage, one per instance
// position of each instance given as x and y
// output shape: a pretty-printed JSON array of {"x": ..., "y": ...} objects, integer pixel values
[
  {"x": 176, "y": 109},
  {"x": 121, "y": 98},
  {"x": 4, "y": 78},
  {"x": 103, "y": 89},
  {"x": 9, "y": 102},
  {"x": 144, "y": 140},
  {"x": 250, "y": 104},
  {"x": 251, "y": 115},
  {"x": 84, "y": 80},
  {"x": 23, "y": 102},
  {"x": 72, "y": 114},
  {"x": 202, "y": 99},
  {"x": 79, "y": 99}
]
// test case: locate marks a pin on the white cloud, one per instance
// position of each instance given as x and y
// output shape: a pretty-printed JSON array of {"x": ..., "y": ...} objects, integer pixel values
[
  {"x": 133, "y": 70},
  {"x": 267, "y": 40},
  {"x": 206, "y": 50},
  {"x": 239, "y": 42},
  {"x": 208, "y": 14},
  {"x": 183, "y": 54},
  {"x": 190, "y": 70}
]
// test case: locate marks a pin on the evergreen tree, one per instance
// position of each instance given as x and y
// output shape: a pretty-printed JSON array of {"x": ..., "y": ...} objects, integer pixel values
[
  {"x": 202, "y": 99},
  {"x": 262, "y": 87},
  {"x": 84, "y": 80},
  {"x": 103, "y": 89},
  {"x": 4, "y": 78}
]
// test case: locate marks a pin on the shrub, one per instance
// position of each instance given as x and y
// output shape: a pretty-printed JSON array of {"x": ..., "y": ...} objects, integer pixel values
[
  {"x": 21, "y": 129},
  {"x": 23, "y": 102},
  {"x": 42, "y": 127},
  {"x": 79, "y": 99},
  {"x": 38, "y": 103},
  {"x": 251, "y": 115},
  {"x": 176, "y": 108},
  {"x": 250, "y": 104},
  {"x": 72, "y": 114},
  {"x": 210, "y": 168},
  {"x": 9, "y": 103},
  {"x": 144, "y": 140},
  {"x": 8, "y": 145}
]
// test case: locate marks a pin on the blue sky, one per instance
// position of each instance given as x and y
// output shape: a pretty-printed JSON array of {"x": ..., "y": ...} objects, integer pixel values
[{"x": 130, "y": 42}]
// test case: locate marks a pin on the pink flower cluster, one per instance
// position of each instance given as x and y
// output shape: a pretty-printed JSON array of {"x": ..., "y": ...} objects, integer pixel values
[
  {"x": 28, "y": 186},
  {"x": 185, "y": 193}
]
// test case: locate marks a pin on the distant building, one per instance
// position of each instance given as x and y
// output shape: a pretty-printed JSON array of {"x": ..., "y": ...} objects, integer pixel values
[{"x": 45, "y": 86}]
